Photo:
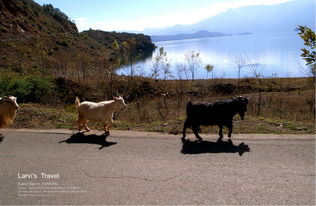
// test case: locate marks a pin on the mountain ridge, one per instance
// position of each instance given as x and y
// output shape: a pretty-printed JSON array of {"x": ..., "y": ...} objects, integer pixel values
[
  {"x": 283, "y": 17},
  {"x": 198, "y": 34}
]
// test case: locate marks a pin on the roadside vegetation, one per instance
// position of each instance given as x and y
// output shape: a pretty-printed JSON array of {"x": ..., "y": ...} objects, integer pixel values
[{"x": 287, "y": 105}]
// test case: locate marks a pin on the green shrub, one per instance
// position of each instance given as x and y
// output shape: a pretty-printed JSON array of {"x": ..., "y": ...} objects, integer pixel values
[{"x": 34, "y": 89}]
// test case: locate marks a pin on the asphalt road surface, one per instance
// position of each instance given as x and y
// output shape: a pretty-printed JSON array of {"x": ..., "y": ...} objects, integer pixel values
[{"x": 61, "y": 167}]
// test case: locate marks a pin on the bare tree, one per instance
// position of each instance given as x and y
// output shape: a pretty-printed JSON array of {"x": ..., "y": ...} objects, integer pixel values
[
  {"x": 240, "y": 62},
  {"x": 107, "y": 72},
  {"x": 193, "y": 61},
  {"x": 130, "y": 46},
  {"x": 81, "y": 64},
  {"x": 62, "y": 63},
  {"x": 254, "y": 67},
  {"x": 182, "y": 71},
  {"x": 155, "y": 73}
]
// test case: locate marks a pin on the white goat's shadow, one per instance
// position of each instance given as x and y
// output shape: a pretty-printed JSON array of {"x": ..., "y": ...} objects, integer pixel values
[{"x": 81, "y": 138}]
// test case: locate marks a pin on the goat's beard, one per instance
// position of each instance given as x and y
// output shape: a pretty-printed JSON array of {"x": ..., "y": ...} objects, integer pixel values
[
  {"x": 242, "y": 115},
  {"x": 116, "y": 114}
]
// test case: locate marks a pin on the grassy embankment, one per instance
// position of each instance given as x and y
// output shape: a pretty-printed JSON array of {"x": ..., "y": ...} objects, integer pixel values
[{"x": 279, "y": 105}]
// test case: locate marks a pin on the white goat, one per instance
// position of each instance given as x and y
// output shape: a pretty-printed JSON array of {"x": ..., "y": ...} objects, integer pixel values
[
  {"x": 8, "y": 108},
  {"x": 98, "y": 112}
]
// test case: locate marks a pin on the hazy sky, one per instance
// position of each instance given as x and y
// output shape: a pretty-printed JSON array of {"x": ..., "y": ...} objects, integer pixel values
[{"x": 137, "y": 15}]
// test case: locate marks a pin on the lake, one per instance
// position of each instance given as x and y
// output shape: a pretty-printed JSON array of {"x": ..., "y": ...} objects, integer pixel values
[{"x": 276, "y": 55}]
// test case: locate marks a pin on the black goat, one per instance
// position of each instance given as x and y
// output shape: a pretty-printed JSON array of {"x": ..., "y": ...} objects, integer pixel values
[{"x": 218, "y": 113}]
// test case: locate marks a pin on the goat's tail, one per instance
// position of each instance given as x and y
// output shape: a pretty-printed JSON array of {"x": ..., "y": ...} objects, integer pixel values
[{"x": 77, "y": 102}]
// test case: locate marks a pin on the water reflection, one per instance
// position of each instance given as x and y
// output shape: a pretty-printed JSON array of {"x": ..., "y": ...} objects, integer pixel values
[{"x": 271, "y": 55}]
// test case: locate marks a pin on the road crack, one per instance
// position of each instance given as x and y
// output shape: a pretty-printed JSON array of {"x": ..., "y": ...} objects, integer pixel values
[{"x": 137, "y": 178}]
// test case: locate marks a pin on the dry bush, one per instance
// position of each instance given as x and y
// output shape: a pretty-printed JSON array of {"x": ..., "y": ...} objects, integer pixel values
[{"x": 292, "y": 105}]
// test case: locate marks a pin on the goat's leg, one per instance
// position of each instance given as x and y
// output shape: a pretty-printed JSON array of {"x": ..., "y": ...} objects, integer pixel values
[
  {"x": 79, "y": 126},
  {"x": 85, "y": 125},
  {"x": 79, "y": 122},
  {"x": 185, "y": 126},
  {"x": 110, "y": 125},
  {"x": 230, "y": 130},
  {"x": 107, "y": 127},
  {"x": 195, "y": 131},
  {"x": 220, "y": 132}
]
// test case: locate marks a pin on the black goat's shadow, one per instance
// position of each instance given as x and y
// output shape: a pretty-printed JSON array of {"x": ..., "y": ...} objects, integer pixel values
[
  {"x": 81, "y": 138},
  {"x": 199, "y": 147}
]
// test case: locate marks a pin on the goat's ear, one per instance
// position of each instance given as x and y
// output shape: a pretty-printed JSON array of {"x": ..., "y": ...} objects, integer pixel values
[
  {"x": 240, "y": 98},
  {"x": 243, "y": 99}
]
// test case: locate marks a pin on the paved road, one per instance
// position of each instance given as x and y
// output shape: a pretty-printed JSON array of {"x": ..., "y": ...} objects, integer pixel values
[{"x": 153, "y": 168}]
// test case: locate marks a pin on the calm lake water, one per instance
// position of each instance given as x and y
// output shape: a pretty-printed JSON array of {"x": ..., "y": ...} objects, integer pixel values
[{"x": 275, "y": 55}]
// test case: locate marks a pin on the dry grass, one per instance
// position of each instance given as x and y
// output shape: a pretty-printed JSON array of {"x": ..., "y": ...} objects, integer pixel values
[
  {"x": 39, "y": 116},
  {"x": 285, "y": 107}
]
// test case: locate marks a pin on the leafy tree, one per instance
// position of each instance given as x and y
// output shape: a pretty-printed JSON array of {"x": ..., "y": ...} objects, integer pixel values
[
  {"x": 115, "y": 45},
  {"x": 116, "y": 48},
  {"x": 55, "y": 12},
  {"x": 209, "y": 68},
  {"x": 161, "y": 63},
  {"x": 309, "y": 55}
]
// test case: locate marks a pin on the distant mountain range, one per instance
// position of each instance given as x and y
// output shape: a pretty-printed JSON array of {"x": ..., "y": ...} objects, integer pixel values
[
  {"x": 199, "y": 34},
  {"x": 282, "y": 17}
]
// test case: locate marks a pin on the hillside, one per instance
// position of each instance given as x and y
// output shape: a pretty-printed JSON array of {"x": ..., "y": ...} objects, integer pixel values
[
  {"x": 142, "y": 43},
  {"x": 27, "y": 17},
  {"x": 43, "y": 40}
]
